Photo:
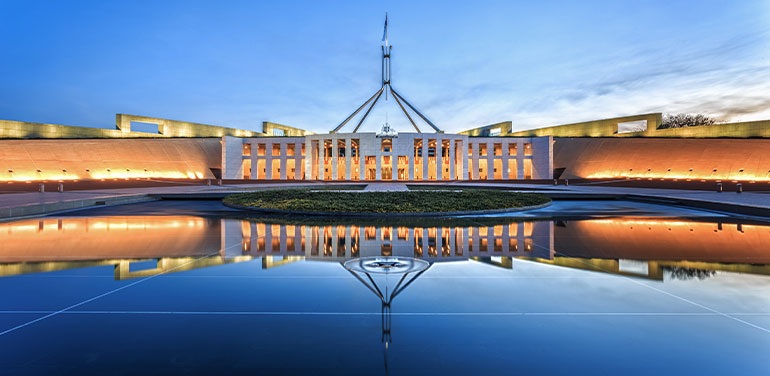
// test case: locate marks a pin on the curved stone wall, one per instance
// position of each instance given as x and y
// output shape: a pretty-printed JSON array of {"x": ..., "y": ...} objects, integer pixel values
[
  {"x": 28, "y": 160},
  {"x": 671, "y": 158}
]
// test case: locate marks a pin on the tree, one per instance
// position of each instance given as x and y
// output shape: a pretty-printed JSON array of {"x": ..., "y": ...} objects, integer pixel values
[{"x": 685, "y": 120}]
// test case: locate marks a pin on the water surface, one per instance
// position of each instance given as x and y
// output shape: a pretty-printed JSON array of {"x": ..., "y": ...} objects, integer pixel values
[{"x": 190, "y": 287}]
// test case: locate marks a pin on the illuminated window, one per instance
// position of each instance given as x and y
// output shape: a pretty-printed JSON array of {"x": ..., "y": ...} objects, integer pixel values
[
  {"x": 431, "y": 148},
  {"x": 483, "y": 150},
  {"x": 498, "y": 150},
  {"x": 354, "y": 147},
  {"x": 276, "y": 149},
  {"x": 387, "y": 145}
]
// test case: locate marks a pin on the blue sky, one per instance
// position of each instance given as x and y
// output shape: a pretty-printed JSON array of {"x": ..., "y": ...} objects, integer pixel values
[{"x": 309, "y": 64}]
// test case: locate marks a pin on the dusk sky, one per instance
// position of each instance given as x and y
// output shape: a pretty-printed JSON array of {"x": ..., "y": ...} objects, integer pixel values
[{"x": 310, "y": 64}]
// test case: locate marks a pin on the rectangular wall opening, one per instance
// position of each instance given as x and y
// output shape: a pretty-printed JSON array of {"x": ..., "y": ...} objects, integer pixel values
[
  {"x": 445, "y": 159},
  {"x": 247, "y": 168},
  {"x": 512, "y": 149},
  {"x": 418, "y": 159},
  {"x": 371, "y": 167},
  {"x": 276, "y": 169},
  {"x": 355, "y": 160},
  {"x": 387, "y": 167},
  {"x": 341, "y": 159},
  {"x": 498, "y": 168},
  {"x": 403, "y": 167},
  {"x": 632, "y": 126},
  {"x": 138, "y": 126},
  {"x": 291, "y": 169},
  {"x": 327, "y": 160},
  {"x": 512, "y": 173},
  {"x": 260, "y": 169},
  {"x": 483, "y": 169}
]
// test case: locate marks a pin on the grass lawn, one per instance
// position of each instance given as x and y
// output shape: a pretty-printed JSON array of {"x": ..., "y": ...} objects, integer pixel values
[{"x": 387, "y": 202}]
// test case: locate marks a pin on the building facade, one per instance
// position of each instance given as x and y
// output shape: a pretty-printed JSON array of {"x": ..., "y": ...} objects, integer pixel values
[
  {"x": 600, "y": 149},
  {"x": 373, "y": 157}
]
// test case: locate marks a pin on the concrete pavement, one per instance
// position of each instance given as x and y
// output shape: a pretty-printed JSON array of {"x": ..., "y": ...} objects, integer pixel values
[{"x": 28, "y": 204}]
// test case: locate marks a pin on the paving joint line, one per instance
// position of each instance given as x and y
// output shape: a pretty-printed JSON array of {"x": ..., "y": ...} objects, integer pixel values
[
  {"x": 678, "y": 297},
  {"x": 100, "y": 296}
]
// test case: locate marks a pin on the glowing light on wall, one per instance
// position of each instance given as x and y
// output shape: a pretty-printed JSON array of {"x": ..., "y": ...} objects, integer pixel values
[
  {"x": 678, "y": 176},
  {"x": 26, "y": 176}
]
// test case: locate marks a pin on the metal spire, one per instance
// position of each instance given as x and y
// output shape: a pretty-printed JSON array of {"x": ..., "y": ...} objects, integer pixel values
[{"x": 386, "y": 87}]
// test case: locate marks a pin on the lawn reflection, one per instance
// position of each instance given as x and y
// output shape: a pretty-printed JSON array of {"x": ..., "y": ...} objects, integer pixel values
[{"x": 652, "y": 248}]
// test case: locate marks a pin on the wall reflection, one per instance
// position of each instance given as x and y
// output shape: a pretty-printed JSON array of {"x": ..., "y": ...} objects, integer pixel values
[{"x": 140, "y": 246}]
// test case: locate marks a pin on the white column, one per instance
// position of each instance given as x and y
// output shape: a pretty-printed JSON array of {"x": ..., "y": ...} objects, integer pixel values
[
  {"x": 464, "y": 158},
  {"x": 425, "y": 160},
  {"x": 439, "y": 159},
  {"x": 335, "y": 240},
  {"x": 284, "y": 151},
  {"x": 465, "y": 242},
  {"x": 269, "y": 160},
  {"x": 361, "y": 165},
  {"x": 320, "y": 156},
  {"x": 490, "y": 160},
  {"x": 475, "y": 156},
  {"x": 452, "y": 159},
  {"x": 520, "y": 159},
  {"x": 308, "y": 158},
  {"x": 335, "y": 157},
  {"x": 254, "y": 159},
  {"x": 348, "y": 159},
  {"x": 348, "y": 242},
  {"x": 411, "y": 160}
]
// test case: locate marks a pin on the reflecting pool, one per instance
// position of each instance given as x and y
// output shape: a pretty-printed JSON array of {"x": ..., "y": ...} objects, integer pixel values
[{"x": 608, "y": 288}]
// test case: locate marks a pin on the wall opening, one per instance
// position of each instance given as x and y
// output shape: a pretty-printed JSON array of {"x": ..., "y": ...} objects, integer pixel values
[
  {"x": 632, "y": 126},
  {"x": 138, "y": 126}
]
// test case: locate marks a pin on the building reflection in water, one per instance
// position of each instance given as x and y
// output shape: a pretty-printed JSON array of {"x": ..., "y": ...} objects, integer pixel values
[{"x": 138, "y": 246}]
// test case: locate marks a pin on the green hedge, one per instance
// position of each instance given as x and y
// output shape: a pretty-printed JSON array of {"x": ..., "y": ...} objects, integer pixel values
[{"x": 387, "y": 202}]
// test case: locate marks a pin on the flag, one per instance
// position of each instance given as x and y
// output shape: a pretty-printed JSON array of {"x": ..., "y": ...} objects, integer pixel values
[{"x": 385, "y": 32}]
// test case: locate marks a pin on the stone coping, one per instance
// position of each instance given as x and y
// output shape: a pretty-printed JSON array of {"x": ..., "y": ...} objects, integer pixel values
[{"x": 383, "y": 215}]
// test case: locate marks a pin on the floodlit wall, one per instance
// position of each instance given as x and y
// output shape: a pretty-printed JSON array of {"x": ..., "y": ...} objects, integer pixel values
[
  {"x": 598, "y": 128},
  {"x": 631, "y": 126},
  {"x": 729, "y": 159},
  {"x": 497, "y": 129},
  {"x": 166, "y": 128},
  {"x": 275, "y": 129},
  {"x": 28, "y": 160}
]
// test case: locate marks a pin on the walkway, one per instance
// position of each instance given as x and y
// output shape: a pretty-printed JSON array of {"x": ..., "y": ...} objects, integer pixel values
[
  {"x": 386, "y": 187},
  {"x": 33, "y": 203}
]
